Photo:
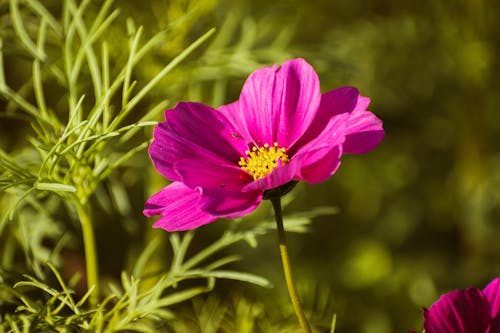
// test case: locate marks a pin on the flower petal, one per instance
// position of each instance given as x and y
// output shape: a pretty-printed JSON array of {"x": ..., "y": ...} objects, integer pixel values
[
  {"x": 342, "y": 118},
  {"x": 329, "y": 122},
  {"x": 311, "y": 166},
  {"x": 321, "y": 164},
  {"x": 178, "y": 204},
  {"x": 492, "y": 293},
  {"x": 495, "y": 324},
  {"x": 328, "y": 126},
  {"x": 228, "y": 203},
  {"x": 161, "y": 153},
  {"x": 277, "y": 104},
  {"x": 211, "y": 175},
  {"x": 279, "y": 176},
  {"x": 235, "y": 114},
  {"x": 195, "y": 131},
  {"x": 460, "y": 311},
  {"x": 363, "y": 130}
]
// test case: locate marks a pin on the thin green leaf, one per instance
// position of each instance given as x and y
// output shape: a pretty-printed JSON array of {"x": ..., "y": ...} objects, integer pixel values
[
  {"x": 227, "y": 239},
  {"x": 180, "y": 249},
  {"x": 44, "y": 13},
  {"x": 105, "y": 172},
  {"x": 23, "y": 35},
  {"x": 55, "y": 187},
  {"x": 180, "y": 297},
  {"x": 65, "y": 289},
  {"x": 128, "y": 69},
  {"x": 241, "y": 276},
  {"x": 106, "y": 116},
  {"x": 2, "y": 70},
  {"x": 223, "y": 261},
  {"x": 334, "y": 323},
  {"x": 151, "y": 114},
  {"x": 140, "y": 95},
  {"x": 19, "y": 201},
  {"x": 145, "y": 256},
  {"x": 37, "y": 73}
]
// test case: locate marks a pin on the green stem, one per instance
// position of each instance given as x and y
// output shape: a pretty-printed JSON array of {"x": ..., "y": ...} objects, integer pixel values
[
  {"x": 287, "y": 269},
  {"x": 90, "y": 251}
]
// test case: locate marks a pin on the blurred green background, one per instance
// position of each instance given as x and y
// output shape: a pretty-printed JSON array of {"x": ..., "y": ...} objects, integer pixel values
[{"x": 418, "y": 216}]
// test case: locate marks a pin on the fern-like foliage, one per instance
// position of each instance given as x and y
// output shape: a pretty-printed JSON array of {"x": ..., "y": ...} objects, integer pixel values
[{"x": 80, "y": 86}]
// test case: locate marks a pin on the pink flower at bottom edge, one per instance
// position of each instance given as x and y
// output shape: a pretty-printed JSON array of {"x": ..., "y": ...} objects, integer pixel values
[
  {"x": 466, "y": 311},
  {"x": 280, "y": 131}
]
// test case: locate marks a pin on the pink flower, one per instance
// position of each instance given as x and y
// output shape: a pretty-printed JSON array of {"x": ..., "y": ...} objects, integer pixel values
[
  {"x": 282, "y": 130},
  {"x": 466, "y": 311}
]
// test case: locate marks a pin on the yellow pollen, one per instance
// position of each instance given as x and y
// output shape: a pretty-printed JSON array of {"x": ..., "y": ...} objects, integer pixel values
[{"x": 261, "y": 161}]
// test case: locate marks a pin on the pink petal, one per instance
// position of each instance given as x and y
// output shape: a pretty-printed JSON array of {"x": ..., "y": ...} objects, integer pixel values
[
  {"x": 235, "y": 114},
  {"x": 495, "y": 325},
  {"x": 320, "y": 164},
  {"x": 322, "y": 143},
  {"x": 492, "y": 293},
  {"x": 312, "y": 166},
  {"x": 328, "y": 126},
  {"x": 228, "y": 203},
  {"x": 460, "y": 311},
  {"x": 363, "y": 129},
  {"x": 178, "y": 204},
  {"x": 279, "y": 176},
  {"x": 342, "y": 119},
  {"x": 161, "y": 153},
  {"x": 277, "y": 104},
  {"x": 194, "y": 131},
  {"x": 209, "y": 175}
]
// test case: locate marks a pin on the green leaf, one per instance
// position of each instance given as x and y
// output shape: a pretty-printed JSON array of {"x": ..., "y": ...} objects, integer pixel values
[
  {"x": 54, "y": 187},
  {"x": 241, "y": 276},
  {"x": 180, "y": 296}
]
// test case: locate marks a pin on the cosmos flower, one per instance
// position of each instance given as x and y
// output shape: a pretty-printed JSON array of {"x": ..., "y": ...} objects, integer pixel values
[
  {"x": 223, "y": 162},
  {"x": 466, "y": 311}
]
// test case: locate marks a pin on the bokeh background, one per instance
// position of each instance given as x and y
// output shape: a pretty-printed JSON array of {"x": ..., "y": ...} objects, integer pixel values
[{"x": 416, "y": 217}]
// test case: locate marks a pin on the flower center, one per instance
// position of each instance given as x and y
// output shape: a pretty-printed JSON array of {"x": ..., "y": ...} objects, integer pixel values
[{"x": 261, "y": 161}]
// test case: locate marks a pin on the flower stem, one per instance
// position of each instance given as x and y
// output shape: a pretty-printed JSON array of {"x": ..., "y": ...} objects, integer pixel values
[
  {"x": 287, "y": 269},
  {"x": 90, "y": 251}
]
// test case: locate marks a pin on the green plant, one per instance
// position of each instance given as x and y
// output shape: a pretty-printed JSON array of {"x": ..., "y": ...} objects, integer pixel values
[{"x": 75, "y": 98}]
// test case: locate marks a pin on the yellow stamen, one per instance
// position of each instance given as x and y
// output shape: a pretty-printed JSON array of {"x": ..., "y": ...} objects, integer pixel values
[{"x": 261, "y": 161}]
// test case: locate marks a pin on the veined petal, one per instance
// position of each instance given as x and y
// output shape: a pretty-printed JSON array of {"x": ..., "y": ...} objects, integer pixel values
[
  {"x": 460, "y": 311},
  {"x": 492, "y": 293},
  {"x": 321, "y": 145},
  {"x": 210, "y": 175},
  {"x": 342, "y": 119},
  {"x": 363, "y": 129},
  {"x": 194, "y": 131},
  {"x": 278, "y": 104},
  {"x": 235, "y": 114},
  {"x": 161, "y": 153},
  {"x": 229, "y": 203},
  {"x": 328, "y": 126},
  {"x": 178, "y": 204},
  {"x": 320, "y": 164}
]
